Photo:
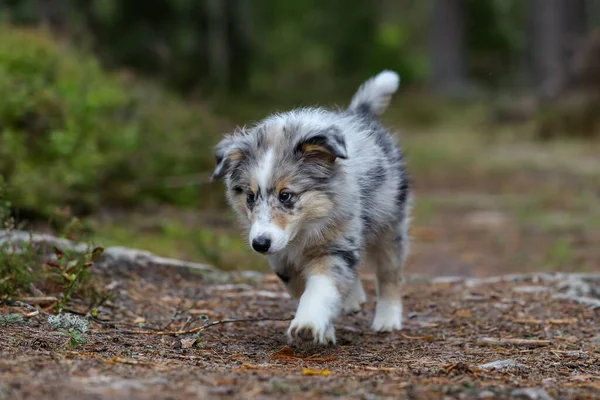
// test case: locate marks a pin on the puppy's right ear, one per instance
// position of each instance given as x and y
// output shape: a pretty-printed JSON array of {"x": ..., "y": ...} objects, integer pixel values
[{"x": 225, "y": 151}]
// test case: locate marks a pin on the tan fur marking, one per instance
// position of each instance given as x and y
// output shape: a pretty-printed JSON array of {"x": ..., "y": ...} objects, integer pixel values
[
  {"x": 313, "y": 147},
  {"x": 282, "y": 184},
  {"x": 236, "y": 156},
  {"x": 253, "y": 186},
  {"x": 318, "y": 151},
  {"x": 281, "y": 220},
  {"x": 319, "y": 266},
  {"x": 316, "y": 205},
  {"x": 296, "y": 285}
]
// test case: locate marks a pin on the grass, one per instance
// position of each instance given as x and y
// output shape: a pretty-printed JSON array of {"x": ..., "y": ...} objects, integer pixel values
[
  {"x": 24, "y": 269},
  {"x": 169, "y": 235}
]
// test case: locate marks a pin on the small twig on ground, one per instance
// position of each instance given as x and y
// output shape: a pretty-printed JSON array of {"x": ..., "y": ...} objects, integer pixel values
[
  {"x": 187, "y": 322},
  {"x": 34, "y": 310},
  {"x": 38, "y": 300},
  {"x": 201, "y": 328},
  {"x": 112, "y": 324},
  {"x": 177, "y": 312},
  {"x": 32, "y": 314}
]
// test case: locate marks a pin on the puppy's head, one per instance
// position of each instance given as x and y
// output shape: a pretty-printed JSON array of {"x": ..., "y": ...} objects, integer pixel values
[{"x": 279, "y": 177}]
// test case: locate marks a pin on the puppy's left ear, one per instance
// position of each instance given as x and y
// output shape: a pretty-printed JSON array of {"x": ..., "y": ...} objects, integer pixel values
[
  {"x": 225, "y": 151},
  {"x": 326, "y": 145}
]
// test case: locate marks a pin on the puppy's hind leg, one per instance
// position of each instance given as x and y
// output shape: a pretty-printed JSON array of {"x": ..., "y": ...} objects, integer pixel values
[
  {"x": 355, "y": 299},
  {"x": 388, "y": 257}
]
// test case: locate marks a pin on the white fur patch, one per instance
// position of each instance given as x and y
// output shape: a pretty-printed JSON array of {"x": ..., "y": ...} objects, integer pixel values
[
  {"x": 388, "y": 316},
  {"x": 387, "y": 81},
  {"x": 265, "y": 169},
  {"x": 263, "y": 226},
  {"x": 318, "y": 306},
  {"x": 376, "y": 93}
]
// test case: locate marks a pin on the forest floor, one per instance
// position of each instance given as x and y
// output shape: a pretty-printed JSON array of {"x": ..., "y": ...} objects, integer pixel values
[
  {"x": 481, "y": 210},
  {"x": 513, "y": 337}
]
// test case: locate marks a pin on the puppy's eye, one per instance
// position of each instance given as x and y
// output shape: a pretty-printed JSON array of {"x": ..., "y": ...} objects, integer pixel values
[
  {"x": 285, "y": 197},
  {"x": 238, "y": 190},
  {"x": 250, "y": 198}
]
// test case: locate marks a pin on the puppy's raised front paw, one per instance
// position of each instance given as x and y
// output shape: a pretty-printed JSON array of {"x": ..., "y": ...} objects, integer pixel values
[{"x": 309, "y": 332}]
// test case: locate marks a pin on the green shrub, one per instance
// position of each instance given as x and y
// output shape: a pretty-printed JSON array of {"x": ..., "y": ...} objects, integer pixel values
[{"x": 73, "y": 134}]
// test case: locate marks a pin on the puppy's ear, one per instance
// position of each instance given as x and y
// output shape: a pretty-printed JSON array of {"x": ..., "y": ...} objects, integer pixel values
[
  {"x": 225, "y": 152},
  {"x": 326, "y": 145}
]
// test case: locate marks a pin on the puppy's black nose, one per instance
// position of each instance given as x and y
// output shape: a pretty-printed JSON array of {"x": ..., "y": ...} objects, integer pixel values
[{"x": 262, "y": 244}]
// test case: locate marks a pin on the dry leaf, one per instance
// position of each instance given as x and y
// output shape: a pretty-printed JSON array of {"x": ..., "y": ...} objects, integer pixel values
[
  {"x": 311, "y": 372},
  {"x": 285, "y": 352},
  {"x": 187, "y": 343},
  {"x": 464, "y": 314}
]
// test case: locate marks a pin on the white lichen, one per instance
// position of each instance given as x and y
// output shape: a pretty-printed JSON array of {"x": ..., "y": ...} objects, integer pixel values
[{"x": 68, "y": 321}]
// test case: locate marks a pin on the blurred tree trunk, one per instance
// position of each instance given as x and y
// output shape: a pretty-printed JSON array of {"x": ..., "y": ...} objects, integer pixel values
[
  {"x": 557, "y": 27},
  {"x": 218, "y": 43},
  {"x": 53, "y": 12},
  {"x": 241, "y": 34},
  {"x": 448, "y": 47}
]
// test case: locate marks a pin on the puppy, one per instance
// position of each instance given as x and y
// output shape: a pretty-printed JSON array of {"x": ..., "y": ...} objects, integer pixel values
[{"x": 321, "y": 192}]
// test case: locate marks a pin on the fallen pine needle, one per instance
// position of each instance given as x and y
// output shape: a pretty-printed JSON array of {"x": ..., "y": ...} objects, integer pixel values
[
  {"x": 121, "y": 360},
  {"x": 516, "y": 342},
  {"x": 427, "y": 338},
  {"x": 584, "y": 377},
  {"x": 565, "y": 321},
  {"x": 288, "y": 353},
  {"x": 200, "y": 328},
  {"x": 382, "y": 369}
]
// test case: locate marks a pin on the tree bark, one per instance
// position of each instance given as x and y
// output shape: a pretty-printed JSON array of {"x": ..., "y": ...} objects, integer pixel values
[
  {"x": 448, "y": 47},
  {"x": 557, "y": 27},
  {"x": 218, "y": 49}
]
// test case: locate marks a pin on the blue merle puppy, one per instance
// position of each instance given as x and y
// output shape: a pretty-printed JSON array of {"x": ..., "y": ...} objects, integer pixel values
[{"x": 322, "y": 192}]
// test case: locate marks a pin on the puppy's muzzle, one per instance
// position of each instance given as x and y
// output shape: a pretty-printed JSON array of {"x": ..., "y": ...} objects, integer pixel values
[{"x": 261, "y": 244}]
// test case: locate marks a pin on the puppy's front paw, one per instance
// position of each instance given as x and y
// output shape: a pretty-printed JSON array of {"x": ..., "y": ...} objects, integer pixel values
[
  {"x": 304, "y": 332},
  {"x": 388, "y": 316}
]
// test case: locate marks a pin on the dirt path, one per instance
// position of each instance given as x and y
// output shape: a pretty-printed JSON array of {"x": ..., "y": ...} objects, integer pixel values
[{"x": 542, "y": 347}]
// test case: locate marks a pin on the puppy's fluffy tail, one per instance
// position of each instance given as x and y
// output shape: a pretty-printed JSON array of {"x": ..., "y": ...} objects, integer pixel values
[{"x": 375, "y": 94}]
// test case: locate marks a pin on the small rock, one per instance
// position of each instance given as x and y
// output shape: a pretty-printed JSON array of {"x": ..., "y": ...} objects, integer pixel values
[
  {"x": 501, "y": 365},
  {"x": 252, "y": 275},
  {"x": 447, "y": 280},
  {"x": 531, "y": 289},
  {"x": 531, "y": 394},
  {"x": 486, "y": 394}
]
